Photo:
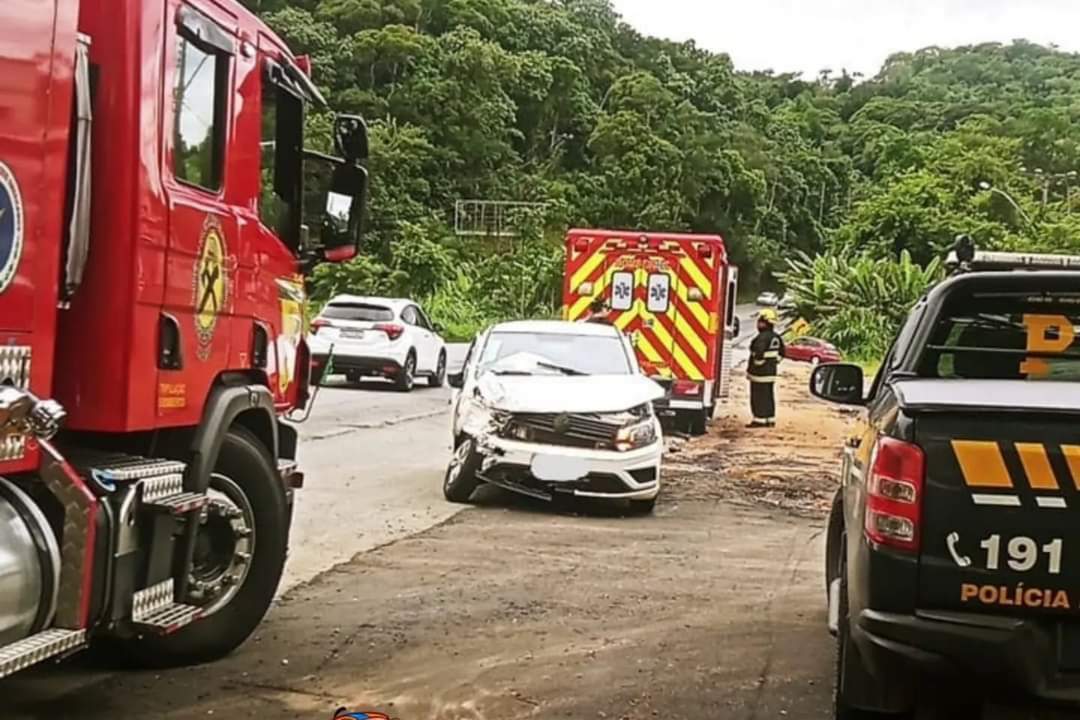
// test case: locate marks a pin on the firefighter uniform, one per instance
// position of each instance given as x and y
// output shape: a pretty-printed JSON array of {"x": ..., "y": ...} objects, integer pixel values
[{"x": 766, "y": 350}]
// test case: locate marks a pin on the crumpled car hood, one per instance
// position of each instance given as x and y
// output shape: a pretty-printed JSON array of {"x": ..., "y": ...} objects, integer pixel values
[{"x": 567, "y": 394}]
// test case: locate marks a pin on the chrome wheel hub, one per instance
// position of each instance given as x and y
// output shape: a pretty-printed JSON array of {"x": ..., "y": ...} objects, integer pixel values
[{"x": 223, "y": 546}]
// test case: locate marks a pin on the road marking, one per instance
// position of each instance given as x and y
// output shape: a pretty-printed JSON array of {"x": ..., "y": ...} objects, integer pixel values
[
  {"x": 1051, "y": 502},
  {"x": 1005, "y": 500}
]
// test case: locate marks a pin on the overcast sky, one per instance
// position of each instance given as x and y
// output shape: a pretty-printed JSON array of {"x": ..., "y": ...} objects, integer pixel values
[{"x": 809, "y": 35}]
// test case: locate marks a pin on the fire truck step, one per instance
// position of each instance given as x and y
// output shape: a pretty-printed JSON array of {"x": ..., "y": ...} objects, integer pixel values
[
  {"x": 154, "y": 610},
  {"x": 180, "y": 504},
  {"x": 38, "y": 648}
]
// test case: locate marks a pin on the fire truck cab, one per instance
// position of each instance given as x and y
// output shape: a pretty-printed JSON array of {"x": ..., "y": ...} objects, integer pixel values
[
  {"x": 158, "y": 213},
  {"x": 674, "y": 295}
]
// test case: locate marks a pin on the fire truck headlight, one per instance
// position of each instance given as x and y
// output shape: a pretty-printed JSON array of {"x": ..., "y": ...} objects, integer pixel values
[{"x": 635, "y": 436}]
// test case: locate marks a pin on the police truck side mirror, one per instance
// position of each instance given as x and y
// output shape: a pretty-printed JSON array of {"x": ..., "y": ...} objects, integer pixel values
[{"x": 840, "y": 383}]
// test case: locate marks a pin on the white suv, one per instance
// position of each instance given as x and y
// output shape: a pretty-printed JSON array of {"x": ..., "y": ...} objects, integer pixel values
[{"x": 377, "y": 337}]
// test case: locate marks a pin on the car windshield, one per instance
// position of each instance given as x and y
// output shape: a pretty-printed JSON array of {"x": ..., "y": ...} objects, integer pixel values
[
  {"x": 525, "y": 353},
  {"x": 359, "y": 312},
  {"x": 1006, "y": 336}
]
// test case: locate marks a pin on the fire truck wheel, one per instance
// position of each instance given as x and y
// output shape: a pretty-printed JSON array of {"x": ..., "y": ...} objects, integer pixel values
[
  {"x": 406, "y": 378},
  {"x": 460, "y": 480},
  {"x": 239, "y": 558}
]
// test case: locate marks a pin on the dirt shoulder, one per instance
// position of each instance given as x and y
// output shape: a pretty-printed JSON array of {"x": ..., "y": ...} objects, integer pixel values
[
  {"x": 713, "y": 608},
  {"x": 794, "y": 466}
]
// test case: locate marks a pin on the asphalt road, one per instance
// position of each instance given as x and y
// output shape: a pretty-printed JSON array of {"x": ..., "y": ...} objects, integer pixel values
[{"x": 374, "y": 460}]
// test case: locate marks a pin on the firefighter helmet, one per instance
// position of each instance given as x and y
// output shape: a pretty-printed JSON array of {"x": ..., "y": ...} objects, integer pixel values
[{"x": 768, "y": 315}]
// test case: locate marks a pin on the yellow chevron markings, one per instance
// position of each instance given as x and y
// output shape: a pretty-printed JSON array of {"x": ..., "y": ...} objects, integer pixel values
[
  {"x": 1037, "y": 466},
  {"x": 982, "y": 464},
  {"x": 585, "y": 271},
  {"x": 1072, "y": 457},
  {"x": 700, "y": 281}
]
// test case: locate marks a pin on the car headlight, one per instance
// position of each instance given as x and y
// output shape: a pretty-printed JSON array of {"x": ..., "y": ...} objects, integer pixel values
[{"x": 635, "y": 436}]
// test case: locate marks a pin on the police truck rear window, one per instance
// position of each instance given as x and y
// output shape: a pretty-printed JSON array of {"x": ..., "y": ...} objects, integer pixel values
[
  {"x": 1006, "y": 336},
  {"x": 357, "y": 312}
]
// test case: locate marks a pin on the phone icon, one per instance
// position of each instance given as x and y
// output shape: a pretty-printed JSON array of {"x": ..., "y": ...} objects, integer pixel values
[{"x": 961, "y": 560}]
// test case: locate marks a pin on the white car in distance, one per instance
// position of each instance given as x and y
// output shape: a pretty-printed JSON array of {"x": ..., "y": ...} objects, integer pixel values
[
  {"x": 555, "y": 409},
  {"x": 361, "y": 337}
]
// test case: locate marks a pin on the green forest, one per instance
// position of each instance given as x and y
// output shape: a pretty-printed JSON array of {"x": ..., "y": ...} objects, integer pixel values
[{"x": 845, "y": 189}]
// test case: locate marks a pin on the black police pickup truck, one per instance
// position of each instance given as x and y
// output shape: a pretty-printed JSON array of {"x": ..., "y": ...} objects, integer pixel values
[{"x": 953, "y": 552}]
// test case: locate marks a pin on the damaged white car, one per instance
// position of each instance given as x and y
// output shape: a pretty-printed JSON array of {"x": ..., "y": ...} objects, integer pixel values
[{"x": 547, "y": 408}]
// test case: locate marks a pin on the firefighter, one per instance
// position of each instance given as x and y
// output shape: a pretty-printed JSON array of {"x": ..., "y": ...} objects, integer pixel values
[
  {"x": 766, "y": 350},
  {"x": 598, "y": 312}
]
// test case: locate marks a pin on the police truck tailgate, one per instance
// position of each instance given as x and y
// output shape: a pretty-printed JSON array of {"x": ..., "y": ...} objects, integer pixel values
[{"x": 1001, "y": 507}]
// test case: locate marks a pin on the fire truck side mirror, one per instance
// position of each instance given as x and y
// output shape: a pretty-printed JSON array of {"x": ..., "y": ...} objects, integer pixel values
[{"x": 343, "y": 215}]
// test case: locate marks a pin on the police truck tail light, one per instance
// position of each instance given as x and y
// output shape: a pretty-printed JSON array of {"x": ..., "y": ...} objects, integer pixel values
[
  {"x": 686, "y": 388},
  {"x": 894, "y": 494},
  {"x": 318, "y": 324},
  {"x": 392, "y": 330}
]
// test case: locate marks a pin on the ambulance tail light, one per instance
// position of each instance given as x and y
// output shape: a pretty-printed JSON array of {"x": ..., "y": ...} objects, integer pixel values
[
  {"x": 581, "y": 245},
  {"x": 392, "y": 330},
  {"x": 705, "y": 251},
  {"x": 686, "y": 388},
  {"x": 585, "y": 288},
  {"x": 695, "y": 295},
  {"x": 894, "y": 495}
]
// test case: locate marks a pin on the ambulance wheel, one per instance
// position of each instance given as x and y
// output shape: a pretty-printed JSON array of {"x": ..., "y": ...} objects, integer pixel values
[
  {"x": 239, "y": 557},
  {"x": 696, "y": 422}
]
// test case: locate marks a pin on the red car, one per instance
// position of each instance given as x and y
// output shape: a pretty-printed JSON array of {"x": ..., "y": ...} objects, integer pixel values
[{"x": 812, "y": 350}]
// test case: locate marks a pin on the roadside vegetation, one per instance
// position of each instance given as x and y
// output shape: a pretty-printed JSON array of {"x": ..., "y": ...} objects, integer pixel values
[{"x": 844, "y": 188}]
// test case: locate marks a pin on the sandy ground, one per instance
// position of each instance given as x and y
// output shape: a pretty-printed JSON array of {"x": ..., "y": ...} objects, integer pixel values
[
  {"x": 795, "y": 466},
  {"x": 713, "y": 608}
]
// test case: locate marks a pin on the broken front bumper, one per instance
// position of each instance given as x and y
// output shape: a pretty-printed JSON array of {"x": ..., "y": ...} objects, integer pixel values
[{"x": 631, "y": 475}]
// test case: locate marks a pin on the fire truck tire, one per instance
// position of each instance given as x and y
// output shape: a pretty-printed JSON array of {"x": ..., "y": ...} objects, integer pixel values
[
  {"x": 406, "y": 377},
  {"x": 246, "y": 463}
]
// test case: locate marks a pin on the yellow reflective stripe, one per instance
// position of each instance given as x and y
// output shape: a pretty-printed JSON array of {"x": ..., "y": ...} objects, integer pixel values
[
  {"x": 1072, "y": 456},
  {"x": 982, "y": 464},
  {"x": 700, "y": 281},
  {"x": 692, "y": 338},
  {"x": 677, "y": 355},
  {"x": 587, "y": 269},
  {"x": 1037, "y": 466},
  {"x": 579, "y": 308},
  {"x": 696, "y": 308}
]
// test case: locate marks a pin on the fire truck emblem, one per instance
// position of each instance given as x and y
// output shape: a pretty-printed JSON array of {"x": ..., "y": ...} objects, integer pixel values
[
  {"x": 211, "y": 284},
  {"x": 11, "y": 226}
]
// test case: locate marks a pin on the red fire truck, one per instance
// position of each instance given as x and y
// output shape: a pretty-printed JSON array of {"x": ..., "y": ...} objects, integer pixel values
[
  {"x": 157, "y": 214},
  {"x": 674, "y": 295}
]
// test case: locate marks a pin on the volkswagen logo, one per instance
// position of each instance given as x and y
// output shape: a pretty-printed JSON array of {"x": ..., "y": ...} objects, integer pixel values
[{"x": 561, "y": 424}]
